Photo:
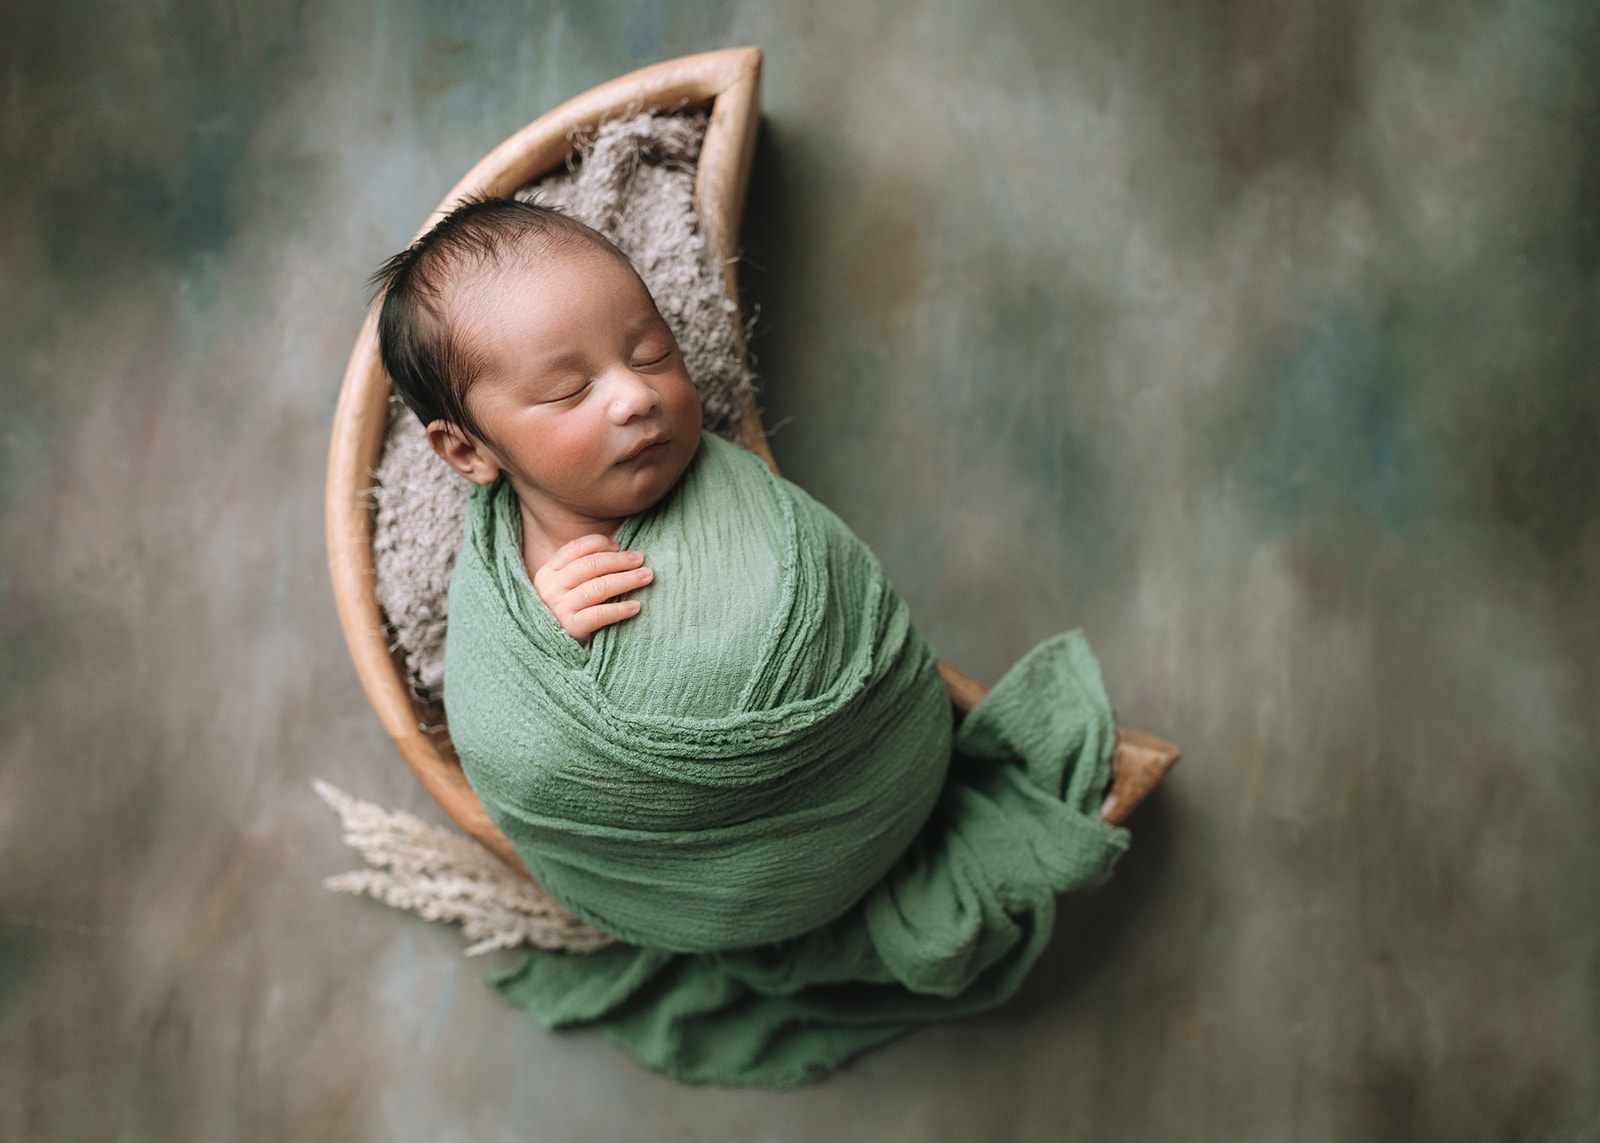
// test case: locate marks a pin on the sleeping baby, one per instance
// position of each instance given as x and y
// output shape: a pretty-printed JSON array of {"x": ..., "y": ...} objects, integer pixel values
[{"x": 688, "y": 695}]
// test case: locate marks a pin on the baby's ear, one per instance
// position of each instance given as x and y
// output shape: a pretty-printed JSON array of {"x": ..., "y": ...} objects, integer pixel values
[{"x": 462, "y": 453}]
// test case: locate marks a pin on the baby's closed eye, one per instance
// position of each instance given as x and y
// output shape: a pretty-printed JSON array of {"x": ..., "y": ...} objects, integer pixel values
[
  {"x": 571, "y": 392},
  {"x": 654, "y": 346}
]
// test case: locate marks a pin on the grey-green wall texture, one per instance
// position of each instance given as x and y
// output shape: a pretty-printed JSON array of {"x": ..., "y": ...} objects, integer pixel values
[{"x": 1256, "y": 337}]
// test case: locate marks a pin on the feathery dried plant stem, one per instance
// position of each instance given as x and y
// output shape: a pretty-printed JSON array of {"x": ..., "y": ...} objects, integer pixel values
[{"x": 445, "y": 876}]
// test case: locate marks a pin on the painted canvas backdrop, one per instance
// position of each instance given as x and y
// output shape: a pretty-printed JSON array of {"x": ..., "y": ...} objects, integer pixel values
[{"x": 1256, "y": 338}]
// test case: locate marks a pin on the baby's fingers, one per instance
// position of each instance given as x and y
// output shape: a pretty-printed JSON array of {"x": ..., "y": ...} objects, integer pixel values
[
  {"x": 577, "y": 549},
  {"x": 585, "y": 623},
  {"x": 594, "y": 566},
  {"x": 596, "y": 591}
]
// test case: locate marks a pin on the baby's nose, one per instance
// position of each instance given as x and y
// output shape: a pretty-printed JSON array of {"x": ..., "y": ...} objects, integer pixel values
[{"x": 629, "y": 395}]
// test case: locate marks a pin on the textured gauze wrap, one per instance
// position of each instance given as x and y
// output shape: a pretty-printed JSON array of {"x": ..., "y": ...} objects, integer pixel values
[{"x": 753, "y": 784}]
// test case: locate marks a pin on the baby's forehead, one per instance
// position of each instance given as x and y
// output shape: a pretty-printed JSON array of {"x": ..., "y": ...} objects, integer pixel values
[
  {"x": 490, "y": 291},
  {"x": 546, "y": 258}
]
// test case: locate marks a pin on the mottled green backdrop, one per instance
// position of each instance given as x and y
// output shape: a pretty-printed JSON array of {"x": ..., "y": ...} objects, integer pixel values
[{"x": 1257, "y": 337}]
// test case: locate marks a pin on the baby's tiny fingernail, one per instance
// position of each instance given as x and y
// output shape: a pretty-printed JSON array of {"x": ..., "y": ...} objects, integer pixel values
[{"x": 646, "y": 575}]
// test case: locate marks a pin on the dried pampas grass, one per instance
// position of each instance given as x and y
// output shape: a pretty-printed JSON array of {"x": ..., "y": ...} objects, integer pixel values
[{"x": 444, "y": 876}]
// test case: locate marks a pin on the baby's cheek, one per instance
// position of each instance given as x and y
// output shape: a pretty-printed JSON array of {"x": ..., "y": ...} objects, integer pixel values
[{"x": 688, "y": 410}]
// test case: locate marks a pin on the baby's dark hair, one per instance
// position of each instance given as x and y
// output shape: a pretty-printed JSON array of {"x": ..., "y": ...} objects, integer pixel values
[{"x": 430, "y": 366}]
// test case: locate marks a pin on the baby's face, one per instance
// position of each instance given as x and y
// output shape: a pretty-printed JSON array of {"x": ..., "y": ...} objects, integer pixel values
[{"x": 583, "y": 394}]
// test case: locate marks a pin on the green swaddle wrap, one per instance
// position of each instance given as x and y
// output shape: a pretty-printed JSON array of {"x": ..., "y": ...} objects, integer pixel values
[{"x": 753, "y": 784}]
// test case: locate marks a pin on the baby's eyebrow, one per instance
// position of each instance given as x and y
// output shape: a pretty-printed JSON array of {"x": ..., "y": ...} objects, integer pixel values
[
  {"x": 558, "y": 361},
  {"x": 647, "y": 319}
]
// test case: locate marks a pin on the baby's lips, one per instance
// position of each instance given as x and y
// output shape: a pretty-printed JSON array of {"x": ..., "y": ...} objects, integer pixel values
[{"x": 645, "y": 445}]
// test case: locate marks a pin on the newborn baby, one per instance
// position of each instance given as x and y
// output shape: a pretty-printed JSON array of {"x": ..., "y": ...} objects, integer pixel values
[{"x": 749, "y": 772}]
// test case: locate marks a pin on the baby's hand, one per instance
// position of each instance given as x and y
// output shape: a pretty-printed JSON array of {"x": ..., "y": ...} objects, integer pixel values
[{"x": 578, "y": 580}]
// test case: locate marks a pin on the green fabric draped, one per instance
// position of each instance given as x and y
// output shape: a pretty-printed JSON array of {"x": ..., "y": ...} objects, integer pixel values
[{"x": 754, "y": 785}]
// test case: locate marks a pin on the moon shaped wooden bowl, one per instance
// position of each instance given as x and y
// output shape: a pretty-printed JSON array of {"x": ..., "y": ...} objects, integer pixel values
[{"x": 728, "y": 83}]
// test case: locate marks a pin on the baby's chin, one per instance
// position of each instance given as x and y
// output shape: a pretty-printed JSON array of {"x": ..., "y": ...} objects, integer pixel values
[{"x": 650, "y": 477}]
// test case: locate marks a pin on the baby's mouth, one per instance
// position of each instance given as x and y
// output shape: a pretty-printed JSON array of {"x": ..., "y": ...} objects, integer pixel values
[{"x": 644, "y": 446}]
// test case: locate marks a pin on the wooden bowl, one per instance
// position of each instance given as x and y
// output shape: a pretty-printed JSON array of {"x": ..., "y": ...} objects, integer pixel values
[{"x": 728, "y": 82}]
